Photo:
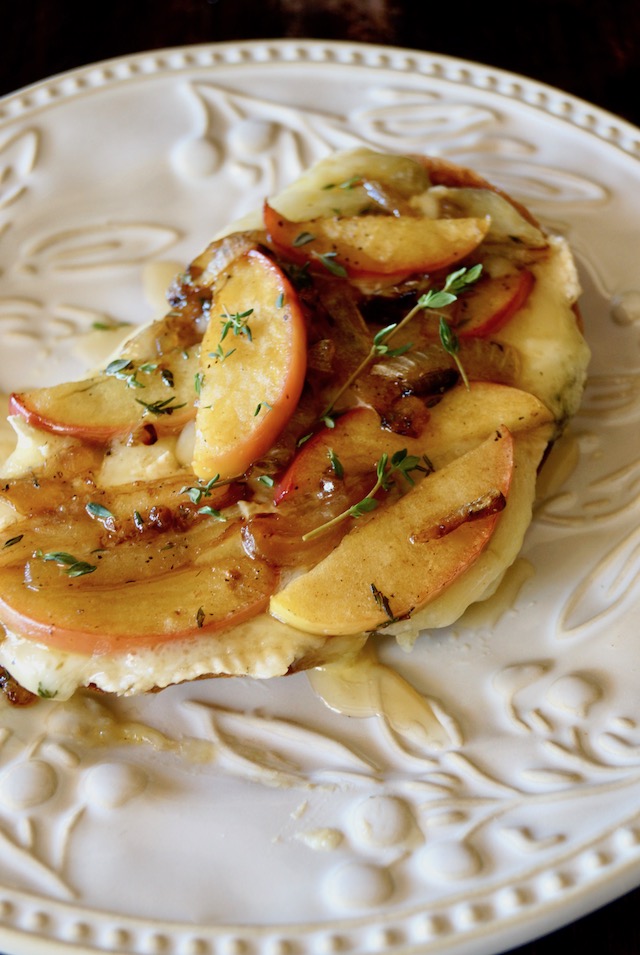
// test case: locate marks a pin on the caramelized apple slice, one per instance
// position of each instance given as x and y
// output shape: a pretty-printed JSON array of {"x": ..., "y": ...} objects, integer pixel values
[
  {"x": 140, "y": 593},
  {"x": 118, "y": 400},
  {"x": 510, "y": 223},
  {"x": 370, "y": 245},
  {"x": 353, "y": 445},
  {"x": 462, "y": 419},
  {"x": 252, "y": 367},
  {"x": 407, "y": 554}
]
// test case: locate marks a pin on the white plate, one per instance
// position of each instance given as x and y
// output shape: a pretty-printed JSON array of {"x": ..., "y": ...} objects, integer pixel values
[{"x": 272, "y": 825}]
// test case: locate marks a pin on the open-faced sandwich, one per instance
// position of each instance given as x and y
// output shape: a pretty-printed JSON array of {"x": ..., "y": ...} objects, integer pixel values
[{"x": 335, "y": 431}]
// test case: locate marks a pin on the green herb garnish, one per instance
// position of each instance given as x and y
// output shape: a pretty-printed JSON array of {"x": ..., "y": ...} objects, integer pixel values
[
  {"x": 328, "y": 259},
  {"x": 236, "y": 323},
  {"x": 302, "y": 239},
  {"x": 336, "y": 464},
  {"x": 98, "y": 511},
  {"x": 161, "y": 407},
  {"x": 211, "y": 512},
  {"x": 455, "y": 284},
  {"x": 382, "y": 601},
  {"x": 70, "y": 564},
  {"x": 401, "y": 464},
  {"x": 45, "y": 694},
  {"x": 220, "y": 353}
]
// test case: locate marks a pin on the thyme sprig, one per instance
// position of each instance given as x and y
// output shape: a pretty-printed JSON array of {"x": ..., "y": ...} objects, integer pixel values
[
  {"x": 401, "y": 464},
  {"x": 203, "y": 489},
  {"x": 329, "y": 260},
  {"x": 455, "y": 284},
  {"x": 165, "y": 406},
  {"x": 196, "y": 492},
  {"x": 236, "y": 323},
  {"x": 125, "y": 370},
  {"x": 67, "y": 562}
]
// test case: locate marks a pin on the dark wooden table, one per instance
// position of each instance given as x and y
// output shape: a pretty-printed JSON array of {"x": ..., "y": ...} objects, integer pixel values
[{"x": 590, "y": 48}]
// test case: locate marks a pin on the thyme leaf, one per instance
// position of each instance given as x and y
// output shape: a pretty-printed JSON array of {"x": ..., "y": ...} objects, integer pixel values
[
  {"x": 336, "y": 464},
  {"x": 302, "y": 239},
  {"x": 211, "y": 512},
  {"x": 161, "y": 407},
  {"x": 451, "y": 345},
  {"x": 44, "y": 693},
  {"x": 70, "y": 564},
  {"x": 382, "y": 601},
  {"x": 98, "y": 511},
  {"x": 328, "y": 259}
]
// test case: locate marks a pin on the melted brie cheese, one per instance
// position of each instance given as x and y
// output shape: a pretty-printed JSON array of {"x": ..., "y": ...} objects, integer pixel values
[
  {"x": 261, "y": 648},
  {"x": 554, "y": 354}
]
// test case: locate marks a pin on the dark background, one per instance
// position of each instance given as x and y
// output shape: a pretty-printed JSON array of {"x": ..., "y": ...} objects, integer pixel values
[{"x": 590, "y": 48}]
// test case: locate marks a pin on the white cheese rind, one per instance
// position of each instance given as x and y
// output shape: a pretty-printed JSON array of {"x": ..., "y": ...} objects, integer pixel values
[{"x": 261, "y": 648}]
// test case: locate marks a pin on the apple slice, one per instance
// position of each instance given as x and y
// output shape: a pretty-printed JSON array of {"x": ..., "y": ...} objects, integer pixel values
[
  {"x": 142, "y": 593},
  {"x": 356, "y": 441},
  {"x": 252, "y": 367},
  {"x": 462, "y": 419},
  {"x": 371, "y": 245},
  {"x": 490, "y": 304},
  {"x": 510, "y": 223},
  {"x": 117, "y": 401},
  {"x": 407, "y": 554}
]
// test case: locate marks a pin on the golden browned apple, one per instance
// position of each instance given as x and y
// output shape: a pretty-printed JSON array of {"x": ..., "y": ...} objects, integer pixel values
[
  {"x": 458, "y": 422},
  {"x": 371, "y": 245},
  {"x": 125, "y": 395},
  {"x": 79, "y": 589},
  {"x": 252, "y": 366},
  {"x": 404, "y": 555}
]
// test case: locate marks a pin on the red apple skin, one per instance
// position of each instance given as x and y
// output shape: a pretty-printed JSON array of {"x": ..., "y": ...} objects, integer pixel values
[
  {"x": 406, "y": 255},
  {"x": 101, "y": 408},
  {"x": 357, "y": 440},
  {"x": 487, "y": 308},
  {"x": 411, "y": 551},
  {"x": 19, "y": 405},
  {"x": 111, "y": 611}
]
